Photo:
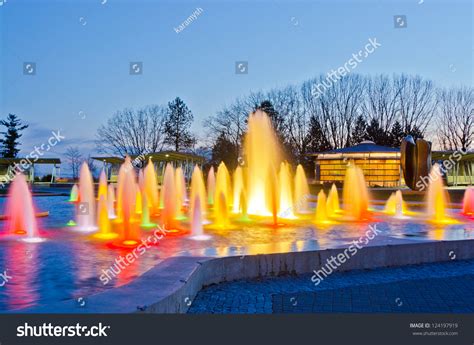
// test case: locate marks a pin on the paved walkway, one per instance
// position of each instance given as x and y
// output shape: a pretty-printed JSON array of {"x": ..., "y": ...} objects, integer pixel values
[{"x": 430, "y": 288}]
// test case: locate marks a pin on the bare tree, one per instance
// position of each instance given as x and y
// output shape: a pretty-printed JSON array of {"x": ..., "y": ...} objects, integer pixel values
[
  {"x": 456, "y": 118},
  {"x": 416, "y": 102},
  {"x": 380, "y": 101},
  {"x": 74, "y": 158},
  {"x": 133, "y": 132},
  {"x": 336, "y": 108}
]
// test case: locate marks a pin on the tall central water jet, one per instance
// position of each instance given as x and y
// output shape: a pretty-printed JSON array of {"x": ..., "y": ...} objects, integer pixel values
[
  {"x": 20, "y": 214},
  {"x": 262, "y": 154}
]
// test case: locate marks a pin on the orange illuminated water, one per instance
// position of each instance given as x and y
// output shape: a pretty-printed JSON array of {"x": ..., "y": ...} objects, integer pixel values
[
  {"x": 437, "y": 197},
  {"x": 332, "y": 203},
  {"x": 168, "y": 214},
  {"x": 286, "y": 194},
  {"x": 355, "y": 194},
  {"x": 321, "y": 208},
  {"x": 239, "y": 190},
  {"x": 301, "y": 191},
  {"x": 262, "y": 156}
]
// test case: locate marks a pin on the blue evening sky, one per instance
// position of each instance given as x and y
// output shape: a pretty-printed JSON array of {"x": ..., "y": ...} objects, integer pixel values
[{"x": 82, "y": 50}]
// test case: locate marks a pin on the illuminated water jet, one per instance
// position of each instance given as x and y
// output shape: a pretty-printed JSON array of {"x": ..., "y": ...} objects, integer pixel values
[
  {"x": 102, "y": 186},
  {"x": 468, "y": 202},
  {"x": 262, "y": 154},
  {"x": 355, "y": 194},
  {"x": 332, "y": 204},
  {"x": 180, "y": 192},
  {"x": 85, "y": 214},
  {"x": 74, "y": 196},
  {"x": 211, "y": 186},
  {"x": 437, "y": 197},
  {"x": 196, "y": 222},
  {"x": 198, "y": 190},
  {"x": 239, "y": 191},
  {"x": 395, "y": 205},
  {"x": 321, "y": 208},
  {"x": 168, "y": 214},
  {"x": 301, "y": 191},
  {"x": 286, "y": 198},
  {"x": 19, "y": 211}
]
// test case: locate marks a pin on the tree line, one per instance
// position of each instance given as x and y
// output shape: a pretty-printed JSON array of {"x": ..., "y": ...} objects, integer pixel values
[{"x": 381, "y": 108}]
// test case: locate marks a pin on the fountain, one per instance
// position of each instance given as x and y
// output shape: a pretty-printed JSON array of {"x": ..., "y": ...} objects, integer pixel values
[
  {"x": 103, "y": 221},
  {"x": 85, "y": 213},
  {"x": 102, "y": 186},
  {"x": 111, "y": 201},
  {"x": 468, "y": 202},
  {"x": 168, "y": 214},
  {"x": 222, "y": 186},
  {"x": 321, "y": 208},
  {"x": 180, "y": 193},
  {"x": 74, "y": 196},
  {"x": 150, "y": 186},
  {"x": 395, "y": 205},
  {"x": 196, "y": 222},
  {"x": 332, "y": 204},
  {"x": 301, "y": 191},
  {"x": 286, "y": 197},
  {"x": 211, "y": 186},
  {"x": 126, "y": 221},
  {"x": 355, "y": 195},
  {"x": 262, "y": 156},
  {"x": 437, "y": 197},
  {"x": 238, "y": 191},
  {"x": 198, "y": 190},
  {"x": 19, "y": 211}
]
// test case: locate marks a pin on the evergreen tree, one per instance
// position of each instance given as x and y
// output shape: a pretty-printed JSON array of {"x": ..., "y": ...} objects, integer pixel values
[
  {"x": 396, "y": 134},
  {"x": 376, "y": 134},
  {"x": 317, "y": 140},
  {"x": 178, "y": 121},
  {"x": 10, "y": 143},
  {"x": 225, "y": 151},
  {"x": 359, "y": 133}
]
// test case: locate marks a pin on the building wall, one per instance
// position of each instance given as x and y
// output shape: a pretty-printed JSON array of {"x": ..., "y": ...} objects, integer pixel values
[{"x": 379, "y": 172}]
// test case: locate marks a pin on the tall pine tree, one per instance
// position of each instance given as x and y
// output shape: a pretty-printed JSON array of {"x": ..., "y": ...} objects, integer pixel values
[
  {"x": 10, "y": 143},
  {"x": 178, "y": 121}
]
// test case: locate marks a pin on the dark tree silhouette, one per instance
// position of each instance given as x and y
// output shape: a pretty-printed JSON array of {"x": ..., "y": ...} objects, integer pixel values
[
  {"x": 10, "y": 141},
  {"x": 396, "y": 134},
  {"x": 359, "y": 133},
  {"x": 318, "y": 141},
  {"x": 224, "y": 150},
  {"x": 178, "y": 120}
]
